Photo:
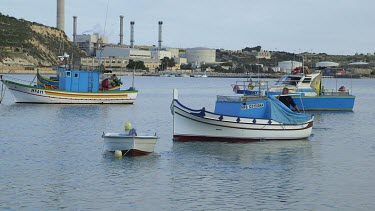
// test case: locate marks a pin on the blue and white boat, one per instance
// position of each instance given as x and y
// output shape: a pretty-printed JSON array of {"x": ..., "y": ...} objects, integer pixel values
[
  {"x": 306, "y": 90},
  {"x": 240, "y": 118}
]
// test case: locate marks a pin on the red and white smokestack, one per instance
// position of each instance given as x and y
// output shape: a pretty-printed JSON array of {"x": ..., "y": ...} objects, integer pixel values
[
  {"x": 121, "y": 29},
  {"x": 160, "y": 33},
  {"x": 131, "y": 34}
]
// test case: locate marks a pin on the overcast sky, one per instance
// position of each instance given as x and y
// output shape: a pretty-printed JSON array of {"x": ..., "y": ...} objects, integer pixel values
[{"x": 320, "y": 26}]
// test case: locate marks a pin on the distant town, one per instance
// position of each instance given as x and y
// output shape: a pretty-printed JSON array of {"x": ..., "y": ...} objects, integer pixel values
[{"x": 25, "y": 46}]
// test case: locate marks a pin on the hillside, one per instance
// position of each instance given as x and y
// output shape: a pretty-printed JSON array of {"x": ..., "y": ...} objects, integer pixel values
[
  {"x": 242, "y": 61},
  {"x": 30, "y": 44}
]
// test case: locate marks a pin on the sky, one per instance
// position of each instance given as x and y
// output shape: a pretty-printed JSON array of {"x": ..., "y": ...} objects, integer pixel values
[{"x": 340, "y": 27}]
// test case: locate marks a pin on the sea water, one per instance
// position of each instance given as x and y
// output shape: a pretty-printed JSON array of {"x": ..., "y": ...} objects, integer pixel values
[{"x": 52, "y": 156}]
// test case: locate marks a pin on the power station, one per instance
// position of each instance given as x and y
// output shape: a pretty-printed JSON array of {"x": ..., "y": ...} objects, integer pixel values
[{"x": 151, "y": 55}]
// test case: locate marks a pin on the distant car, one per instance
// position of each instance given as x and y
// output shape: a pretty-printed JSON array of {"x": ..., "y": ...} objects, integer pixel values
[{"x": 107, "y": 71}]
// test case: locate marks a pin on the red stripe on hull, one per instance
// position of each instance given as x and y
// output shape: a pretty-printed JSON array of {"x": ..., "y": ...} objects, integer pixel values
[
  {"x": 220, "y": 139},
  {"x": 134, "y": 152}
]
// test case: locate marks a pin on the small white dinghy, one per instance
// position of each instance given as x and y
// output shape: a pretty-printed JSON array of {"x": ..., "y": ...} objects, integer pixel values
[{"x": 130, "y": 143}]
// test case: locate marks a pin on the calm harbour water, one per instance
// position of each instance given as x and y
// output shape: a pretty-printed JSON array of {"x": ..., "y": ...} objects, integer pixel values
[{"x": 51, "y": 157}]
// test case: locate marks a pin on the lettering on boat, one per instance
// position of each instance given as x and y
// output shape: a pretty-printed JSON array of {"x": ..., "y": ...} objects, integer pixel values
[
  {"x": 251, "y": 106},
  {"x": 37, "y": 91}
]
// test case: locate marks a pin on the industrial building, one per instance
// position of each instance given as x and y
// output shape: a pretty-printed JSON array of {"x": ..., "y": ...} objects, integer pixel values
[
  {"x": 90, "y": 43},
  {"x": 118, "y": 63},
  {"x": 200, "y": 55},
  {"x": 156, "y": 54},
  {"x": 119, "y": 52}
]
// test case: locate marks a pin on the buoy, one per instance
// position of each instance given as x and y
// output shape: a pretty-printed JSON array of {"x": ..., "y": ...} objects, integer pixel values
[
  {"x": 128, "y": 126},
  {"x": 118, "y": 154}
]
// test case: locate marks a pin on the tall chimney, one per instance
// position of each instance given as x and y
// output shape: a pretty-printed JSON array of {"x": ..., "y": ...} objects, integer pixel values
[
  {"x": 131, "y": 34},
  {"x": 121, "y": 29},
  {"x": 74, "y": 28},
  {"x": 60, "y": 15},
  {"x": 160, "y": 32}
]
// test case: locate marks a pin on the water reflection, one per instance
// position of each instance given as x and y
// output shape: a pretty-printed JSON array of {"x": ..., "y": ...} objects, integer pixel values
[{"x": 265, "y": 168}]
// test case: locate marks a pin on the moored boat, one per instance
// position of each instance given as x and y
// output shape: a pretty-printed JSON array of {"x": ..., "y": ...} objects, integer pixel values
[
  {"x": 239, "y": 118},
  {"x": 106, "y": 83},
  {"x": 307, "y": 91},
  {"x": 130, "y": 143},
  {"x": 75, "y": 87}
]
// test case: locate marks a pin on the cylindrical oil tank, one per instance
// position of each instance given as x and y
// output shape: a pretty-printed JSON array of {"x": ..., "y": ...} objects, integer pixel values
[{"x": 200, "y": 55}]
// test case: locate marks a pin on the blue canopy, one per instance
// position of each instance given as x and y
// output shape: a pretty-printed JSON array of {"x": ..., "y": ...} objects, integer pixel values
[{"x": 281, "y": 113}]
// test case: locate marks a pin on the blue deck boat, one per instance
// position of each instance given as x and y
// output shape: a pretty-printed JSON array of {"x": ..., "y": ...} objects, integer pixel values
[{"x": 306, "y": 90}]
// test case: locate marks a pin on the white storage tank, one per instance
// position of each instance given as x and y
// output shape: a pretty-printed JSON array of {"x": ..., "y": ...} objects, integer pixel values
[
  {"x": 326, "y": 64},
  {"x": 200, "y": 55}
]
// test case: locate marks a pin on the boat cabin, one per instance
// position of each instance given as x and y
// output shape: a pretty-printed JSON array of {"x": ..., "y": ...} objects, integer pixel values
[
  {"x": 299, "y": 80},
  {"x": 243, "y": 106},
  {"x": 78, "y": 81}
]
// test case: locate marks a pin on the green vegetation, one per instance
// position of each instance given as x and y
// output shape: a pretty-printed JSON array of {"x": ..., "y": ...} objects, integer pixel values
[
  {"x": 166, "y": 62},
  {"x": 136, "y": 65},
  {"x": 18, "y": 39}
]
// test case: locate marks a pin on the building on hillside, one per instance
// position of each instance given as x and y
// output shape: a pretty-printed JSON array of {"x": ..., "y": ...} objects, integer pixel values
[
  {"x": 90, "y": 43},
  {"x": 263, "y": 55}
]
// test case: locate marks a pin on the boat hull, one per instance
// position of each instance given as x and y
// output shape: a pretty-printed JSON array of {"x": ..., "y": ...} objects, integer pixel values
[
  {"x": 325, "y": 102},
  {"x": 130, "y": 145},
  {"x": 31, "y": 94},
  {"x": 189, "y": 125},
  {"x": 317, "y": 103}
]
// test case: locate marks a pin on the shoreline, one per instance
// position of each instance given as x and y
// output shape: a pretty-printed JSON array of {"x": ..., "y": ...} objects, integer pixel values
[{"x": 50, "y": 71}]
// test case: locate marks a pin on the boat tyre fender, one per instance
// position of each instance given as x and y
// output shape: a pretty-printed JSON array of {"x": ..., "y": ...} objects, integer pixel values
[
  {"x": 236, "y": 88},
  {"x": 251, "y": 86}
]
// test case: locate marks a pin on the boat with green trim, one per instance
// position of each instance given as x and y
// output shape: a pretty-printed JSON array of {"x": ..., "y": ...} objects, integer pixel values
[{"x": 74, "y": 87}]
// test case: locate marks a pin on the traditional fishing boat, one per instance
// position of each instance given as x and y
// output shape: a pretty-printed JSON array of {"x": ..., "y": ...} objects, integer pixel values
[
  {"x": 239, "y": 118},
  {"x": 307, "y": 90},
  {"x": 130, "y": 143},
  {"x": 75, "y": 87}
]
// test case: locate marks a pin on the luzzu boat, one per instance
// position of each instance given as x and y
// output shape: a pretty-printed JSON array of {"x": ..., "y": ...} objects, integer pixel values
[
  {"x": 240, "y": 118},
  {"x": 306, "y": 90},
  {"x": 75, "y": 87}
]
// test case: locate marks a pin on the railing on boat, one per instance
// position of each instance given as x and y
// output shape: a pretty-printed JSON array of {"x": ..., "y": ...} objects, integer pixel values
[
  {"x": 254, "y": 87},
  {"x": 244, "y": 98}
]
